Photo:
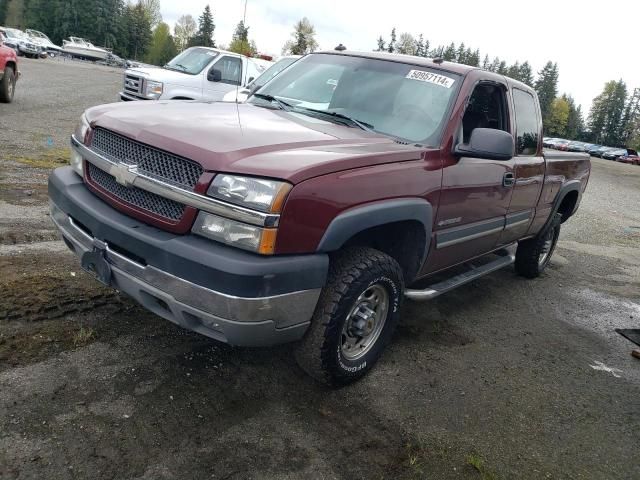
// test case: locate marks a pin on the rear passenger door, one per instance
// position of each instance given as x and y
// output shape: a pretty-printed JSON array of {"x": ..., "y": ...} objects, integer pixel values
[{"x": 529, "y": 166}]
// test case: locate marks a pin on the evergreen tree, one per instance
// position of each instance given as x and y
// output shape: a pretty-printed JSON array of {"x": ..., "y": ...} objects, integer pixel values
[
  {"x": 575, "y": 123},
  {"x": 547, "y": 88},
  {"x": 450, "y": 52},
  {"x": 502, "y": 68},
  {"x": 526, "y": 74},
  {"x": 473, "y": 58},
  {"x": 460, "y": 54},
  {"x": 420, "y": 46},
  {"x": 495, "y": 64},
  {"x": 486, "y": 63},
  {"x": 605, "y": 118},
  {"x": 392, "y": 43},
  {"x": 3, "y": 11},
  {"x": 240, "y": 40},
  {"x": 426, "y": 51},
  {"x": 206, "y": 27},
  {"x": 631, "y": 117},
  {"x": 381, "y": 44}
]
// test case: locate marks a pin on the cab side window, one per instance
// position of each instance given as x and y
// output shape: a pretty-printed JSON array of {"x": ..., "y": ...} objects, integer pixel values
[
  {"x": 231, "y": 69},
  {"x": 487, "y": 108},
  {"x": 527, "y": 123}
]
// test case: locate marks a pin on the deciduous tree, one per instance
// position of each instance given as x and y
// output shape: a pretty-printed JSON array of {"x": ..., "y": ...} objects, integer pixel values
[
  {"x": 184, "y": 30},
  {"x": 303, "y": 39}
]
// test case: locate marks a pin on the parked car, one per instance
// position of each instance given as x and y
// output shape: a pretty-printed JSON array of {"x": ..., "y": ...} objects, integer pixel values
[
  {"x": 21, "y": 43},
  {"x": 630, "y": 157},
  {"x": 614, "y": 153},
  {"x": 9, "y": 72},
  {"x": 597, "y": 152},
  {"x": 198, "y": 73},
  {"x": 576, "y": 147},
  {"x": 268, "y": 221},
  {"x": 549, "y": 142},
  {"x": 561, "y": 145},
  {"x": 277, "y": 67},
  {"x": 43, "y": 41}
]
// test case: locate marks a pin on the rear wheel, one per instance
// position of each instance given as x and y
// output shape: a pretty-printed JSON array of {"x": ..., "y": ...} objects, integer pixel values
[
  {"x": 7, "y": 85},
  {"x": 355, "y": 317},
  {"x": 533, "y": 256}
]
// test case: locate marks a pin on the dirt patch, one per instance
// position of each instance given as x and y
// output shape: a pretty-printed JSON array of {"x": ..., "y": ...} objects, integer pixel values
[{"x": 41, "y": 287}]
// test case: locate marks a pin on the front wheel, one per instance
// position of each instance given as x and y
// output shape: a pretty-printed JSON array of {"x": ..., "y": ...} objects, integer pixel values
[
  {"x": 7, "y": 85},
  {"x": 355, "y": 317},
  {"x": 533, "y": 255}
]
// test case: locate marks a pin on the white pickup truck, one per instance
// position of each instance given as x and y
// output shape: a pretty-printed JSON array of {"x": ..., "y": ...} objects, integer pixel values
[{"x": 198, "y": 73}]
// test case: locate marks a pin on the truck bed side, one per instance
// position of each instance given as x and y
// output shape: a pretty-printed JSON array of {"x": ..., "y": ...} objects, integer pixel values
[{"x": 566, "y": 177}]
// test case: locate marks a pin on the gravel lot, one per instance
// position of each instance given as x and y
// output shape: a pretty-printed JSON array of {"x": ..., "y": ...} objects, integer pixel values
[{"x": 523, "y": 379}]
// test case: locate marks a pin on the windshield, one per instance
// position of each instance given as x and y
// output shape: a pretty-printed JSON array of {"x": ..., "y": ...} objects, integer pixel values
[
  {"x": 272, "y": 71},
  {"x": 404, "y": 101},
  {"x": 13, "y": 33},
  {"x": 192, "y": 61}
]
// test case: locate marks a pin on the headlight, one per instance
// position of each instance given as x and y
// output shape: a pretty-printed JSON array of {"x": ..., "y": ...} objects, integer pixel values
[
  {"x": 153, "y": 89},
  {"x": 237, "y": 234},
  {"x": 76, "y": 160},
  {"x": 255, "y": 193}
]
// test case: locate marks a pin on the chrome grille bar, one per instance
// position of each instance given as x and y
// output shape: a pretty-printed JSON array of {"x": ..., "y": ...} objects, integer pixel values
[{"x": 173, "y": 192}]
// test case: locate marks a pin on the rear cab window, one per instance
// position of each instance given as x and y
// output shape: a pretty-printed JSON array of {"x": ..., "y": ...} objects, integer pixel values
[{"x": 527, "y": 123}]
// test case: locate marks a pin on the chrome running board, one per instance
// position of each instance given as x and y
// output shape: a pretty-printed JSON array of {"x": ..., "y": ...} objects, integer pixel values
[{"x": 506, "y": 257}]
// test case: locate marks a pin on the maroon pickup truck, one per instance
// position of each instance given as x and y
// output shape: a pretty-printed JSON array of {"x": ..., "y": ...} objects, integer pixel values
[{"x": 307, "y": 214}]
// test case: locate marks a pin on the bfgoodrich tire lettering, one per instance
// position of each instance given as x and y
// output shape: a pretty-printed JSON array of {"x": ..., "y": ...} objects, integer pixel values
[{"x": 357, "y": 277}]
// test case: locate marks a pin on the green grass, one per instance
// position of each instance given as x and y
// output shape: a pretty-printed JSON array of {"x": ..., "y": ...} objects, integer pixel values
[
  {"x": 478, "y": 463},
  {"x": 50, "y": 159},
  {"x": 83, "y": 336}
]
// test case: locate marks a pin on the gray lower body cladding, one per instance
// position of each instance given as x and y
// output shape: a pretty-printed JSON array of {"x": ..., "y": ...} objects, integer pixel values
[{"x": 224, "y": 293}]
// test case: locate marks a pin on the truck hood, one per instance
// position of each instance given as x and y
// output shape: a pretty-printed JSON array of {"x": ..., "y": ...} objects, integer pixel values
[
  {"x": 162, "y": 75},
  {"x": 246, "y": 139}
]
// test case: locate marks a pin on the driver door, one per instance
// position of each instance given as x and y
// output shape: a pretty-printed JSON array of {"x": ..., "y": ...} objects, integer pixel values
[
  {"x": 222, "y": 77},
  {"x": 476, "y": 193}
]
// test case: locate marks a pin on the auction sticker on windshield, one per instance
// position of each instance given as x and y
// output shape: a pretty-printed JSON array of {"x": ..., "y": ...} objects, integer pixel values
[{"x": 429, "y": 77}]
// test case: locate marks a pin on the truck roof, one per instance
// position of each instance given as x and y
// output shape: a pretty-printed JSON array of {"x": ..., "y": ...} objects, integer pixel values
[{"x": 427, "y": 62}]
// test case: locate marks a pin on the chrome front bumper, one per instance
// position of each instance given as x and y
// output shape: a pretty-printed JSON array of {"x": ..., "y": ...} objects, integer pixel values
[{"x": 236, "y": 320}]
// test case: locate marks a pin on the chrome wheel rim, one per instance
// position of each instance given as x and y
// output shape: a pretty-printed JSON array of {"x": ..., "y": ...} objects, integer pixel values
[
  {"x": 365, "y": 322},
  {"x": 546, "y": 247},
  {"x": 10, "y": 88}
]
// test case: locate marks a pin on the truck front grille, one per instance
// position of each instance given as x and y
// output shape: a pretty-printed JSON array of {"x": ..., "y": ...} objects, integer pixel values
[
  {"x": 137, "y": 197},
  {"x": 133, "y": 84},
  {"x": 152, "y": 162}
]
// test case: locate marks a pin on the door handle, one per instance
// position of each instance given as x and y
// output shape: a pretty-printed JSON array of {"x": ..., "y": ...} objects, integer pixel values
[{"x": 508, "y": 179}]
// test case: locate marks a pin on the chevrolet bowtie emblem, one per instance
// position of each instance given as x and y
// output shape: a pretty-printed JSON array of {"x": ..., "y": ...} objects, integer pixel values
[{"x": 124, "y": 174}]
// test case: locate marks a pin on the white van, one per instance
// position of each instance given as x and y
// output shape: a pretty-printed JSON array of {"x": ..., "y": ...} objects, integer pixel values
[{"x": 198, "y": 73}]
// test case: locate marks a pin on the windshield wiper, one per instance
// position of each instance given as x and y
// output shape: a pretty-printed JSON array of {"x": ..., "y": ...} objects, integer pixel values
[
  {"x": 270, "y": 98},
  {"x": 362, "y": 125},
  {"x": 181, "y": 68}
]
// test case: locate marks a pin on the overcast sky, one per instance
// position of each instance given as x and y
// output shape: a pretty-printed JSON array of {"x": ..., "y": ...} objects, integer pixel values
[{"x": 592, "y": 42}]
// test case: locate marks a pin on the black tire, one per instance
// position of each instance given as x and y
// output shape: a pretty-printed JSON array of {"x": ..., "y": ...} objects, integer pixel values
[
  {"x": 533, "y": 255},
  {"x": 353, "y": 274},
  {"x": 7, "y": 85}
]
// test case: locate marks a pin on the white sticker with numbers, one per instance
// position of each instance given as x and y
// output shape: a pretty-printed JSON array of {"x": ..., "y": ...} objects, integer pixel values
[{"x": 429, "y": 77}]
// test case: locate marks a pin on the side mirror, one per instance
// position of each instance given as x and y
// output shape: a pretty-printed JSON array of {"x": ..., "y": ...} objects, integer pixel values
[
  {"x": 487, "y": 143},
  {"x": 214, "y": 75}
]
